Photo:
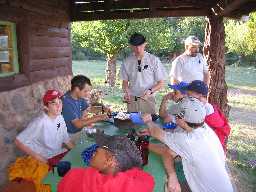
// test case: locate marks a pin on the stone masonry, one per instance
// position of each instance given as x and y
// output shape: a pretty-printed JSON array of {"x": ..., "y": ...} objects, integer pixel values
[{"x": 17, "y": 108}]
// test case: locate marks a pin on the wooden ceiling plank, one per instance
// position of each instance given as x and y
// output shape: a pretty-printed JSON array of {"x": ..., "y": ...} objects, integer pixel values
[{"x": 81, "y": 16}]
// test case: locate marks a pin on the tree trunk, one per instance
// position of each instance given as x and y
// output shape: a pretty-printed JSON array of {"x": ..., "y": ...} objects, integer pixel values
[
  {"x": 214, "y": 52},
  {"x": 111, "y": 70}
]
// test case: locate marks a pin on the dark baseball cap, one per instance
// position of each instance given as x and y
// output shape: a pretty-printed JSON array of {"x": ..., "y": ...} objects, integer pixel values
[
  {"x": 137, "y": 39},
  {"x": 123, "y": 149},
  {"x": 198, "y": 87}
]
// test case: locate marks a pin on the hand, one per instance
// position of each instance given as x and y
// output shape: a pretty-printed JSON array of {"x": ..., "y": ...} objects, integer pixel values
[
  {"x": 107, "y": 110},
  {"x": 144, "y": 132},
  {"x": 173, "y": 184},
  {"x": 147, "y": 93},
  {"x": 182, "y": 123},
  {"x": 168, "y": 119},
  {"x": 147, "y": 118},
  {"x": 168, "y": 96},
  {"x": 127, "y": 97}
]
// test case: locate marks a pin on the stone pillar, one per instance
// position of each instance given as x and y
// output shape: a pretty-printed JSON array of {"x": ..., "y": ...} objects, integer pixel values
[
  {"x": 17, "y": 108},
  {"x": 214, "y": 49}
]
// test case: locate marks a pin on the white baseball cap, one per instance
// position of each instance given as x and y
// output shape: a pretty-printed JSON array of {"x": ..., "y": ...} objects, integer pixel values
[
  {"x": 192, "y": 40},
  {"x": 192, "y": 110}
]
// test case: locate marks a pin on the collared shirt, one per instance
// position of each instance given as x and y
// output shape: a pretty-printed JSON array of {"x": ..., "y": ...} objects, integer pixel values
[
  {"x": 73, "y": 109},
  {"x": 152, "y": 71},
  {"x": 187, "y": 68},
  {"x": 202, "y": 157},
  {"x": 45, "y": 135}
]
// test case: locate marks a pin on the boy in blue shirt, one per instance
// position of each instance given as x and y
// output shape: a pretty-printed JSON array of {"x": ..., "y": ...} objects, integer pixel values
[{"x": 76, "y": 107}]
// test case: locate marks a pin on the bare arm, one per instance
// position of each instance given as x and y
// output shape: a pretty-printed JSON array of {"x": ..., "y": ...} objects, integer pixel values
[
  {"x": 168, "y": 161},
  {"x": 126, "y": 90},
  {"x": 30, "y": 152},
  {"x": 159, "y": 85},
  {"x": 69, "y": 145},
  {"x": 163, "y": 107},
  {"x": 80, "y": 123}
]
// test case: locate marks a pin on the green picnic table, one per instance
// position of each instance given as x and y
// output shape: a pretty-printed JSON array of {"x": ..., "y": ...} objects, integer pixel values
[{"x": 154, "y": 167}]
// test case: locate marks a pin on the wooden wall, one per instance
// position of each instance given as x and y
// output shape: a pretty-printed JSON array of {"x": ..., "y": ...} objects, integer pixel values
[{"x": 43, "y": 35}]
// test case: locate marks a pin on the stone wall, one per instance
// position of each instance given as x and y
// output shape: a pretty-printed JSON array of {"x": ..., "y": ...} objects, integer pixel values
[{"x": 17, "y": 108}]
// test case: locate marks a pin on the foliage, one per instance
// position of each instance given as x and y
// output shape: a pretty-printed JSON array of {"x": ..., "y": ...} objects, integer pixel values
[
  {"x": 185, "y": 27},
  {"x": 109, "y": 37},
  {"x": 240, "y": 36}
]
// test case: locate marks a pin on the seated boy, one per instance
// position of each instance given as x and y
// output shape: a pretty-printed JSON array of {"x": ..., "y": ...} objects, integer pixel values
[
  {"x": 45, "y": 141},
  {"x": 115, "y": 166},
  {"x": 202, "y": 156},
  {"x": 46, "y": 135},
  {"x": 215, "y": 118},
  {"x": 76, "y": 107}
]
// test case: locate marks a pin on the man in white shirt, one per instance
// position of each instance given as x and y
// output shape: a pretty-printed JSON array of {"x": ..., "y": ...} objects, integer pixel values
[
  {"x": 46, "y": 136},
  {"x": 203, "y": 158},
  {"x": 143, "y": 75},
  {"x": 190, "y": 65}
]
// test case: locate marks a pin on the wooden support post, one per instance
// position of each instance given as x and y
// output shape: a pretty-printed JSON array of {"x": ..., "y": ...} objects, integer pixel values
[{"x": 214, "y": 50}]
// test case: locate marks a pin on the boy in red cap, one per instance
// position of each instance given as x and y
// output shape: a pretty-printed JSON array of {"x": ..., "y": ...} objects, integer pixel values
[
  {"x": 46, "y": 136},
  {"x": 115, "y": 166}
]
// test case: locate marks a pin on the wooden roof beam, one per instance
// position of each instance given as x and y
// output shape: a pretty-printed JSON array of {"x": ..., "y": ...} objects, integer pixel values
[
  {"x": 101, "y": 15},
  {"x": 236, "y": 4}
]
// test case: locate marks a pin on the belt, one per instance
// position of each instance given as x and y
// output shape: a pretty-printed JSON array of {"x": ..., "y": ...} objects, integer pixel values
[{"x": 136, "y": 98}]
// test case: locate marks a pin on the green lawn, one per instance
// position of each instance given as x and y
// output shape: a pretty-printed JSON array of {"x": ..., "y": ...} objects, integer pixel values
[{"x": 242, "y": 98}]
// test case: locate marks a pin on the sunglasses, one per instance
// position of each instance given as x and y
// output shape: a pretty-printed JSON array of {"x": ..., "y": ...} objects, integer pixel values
[{"x": 140, "y": 68}]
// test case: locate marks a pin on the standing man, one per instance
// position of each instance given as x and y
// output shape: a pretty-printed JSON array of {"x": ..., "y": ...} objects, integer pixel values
[
  {"x": 76, "y": 107},
  {"x": 191, "y": 65},
  {"x": 143, "y": 75}
]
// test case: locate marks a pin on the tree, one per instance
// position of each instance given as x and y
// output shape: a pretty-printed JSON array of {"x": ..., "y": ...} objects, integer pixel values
[
  {"x": 109, "y": 37},
  {"x": 240, "y": 36}
]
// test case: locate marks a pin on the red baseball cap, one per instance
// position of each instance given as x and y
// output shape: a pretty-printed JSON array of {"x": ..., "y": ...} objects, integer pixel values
[{"x": 51, "y": 95}]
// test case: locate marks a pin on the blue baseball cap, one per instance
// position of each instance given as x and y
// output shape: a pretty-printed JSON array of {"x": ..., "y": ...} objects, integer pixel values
[
  {"x": 182, "y": 87},
  {"x": 198, "y": 87}
]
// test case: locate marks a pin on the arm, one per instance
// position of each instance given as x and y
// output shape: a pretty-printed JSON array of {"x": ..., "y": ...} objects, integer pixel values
[
  {"x": 30, "y": 152},
  {"x": 182, "y": 123},
  {"x": 163, "y": 107},
  {"x": 159, "y": 85},
  {"x": 80, "y": 123},
  {"x": 168, "y": 161},
  {"x": 153, "y": 129},
  {"x": 126, "y": 90},
  {"x": 69, "y": 145}
]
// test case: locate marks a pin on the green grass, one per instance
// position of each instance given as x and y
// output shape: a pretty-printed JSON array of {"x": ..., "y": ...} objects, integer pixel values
[
  {"x": 241, "y": 77},
  {"x": 242, "y": 98}
]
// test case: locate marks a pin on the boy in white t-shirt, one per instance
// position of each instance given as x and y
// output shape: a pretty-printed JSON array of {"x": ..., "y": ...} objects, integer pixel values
[
  {"x": 46, "y": 135},
  {"x": 202, "y": 156}
]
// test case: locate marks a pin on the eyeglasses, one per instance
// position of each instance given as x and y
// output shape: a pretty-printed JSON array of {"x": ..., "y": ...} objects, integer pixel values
[{"x": 140, "y": 68}]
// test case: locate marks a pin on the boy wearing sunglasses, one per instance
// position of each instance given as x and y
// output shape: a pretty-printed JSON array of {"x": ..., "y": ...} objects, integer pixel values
[{"x": 116, "y": 166}]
